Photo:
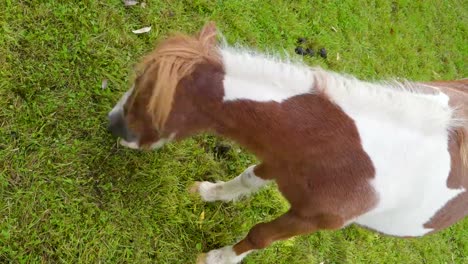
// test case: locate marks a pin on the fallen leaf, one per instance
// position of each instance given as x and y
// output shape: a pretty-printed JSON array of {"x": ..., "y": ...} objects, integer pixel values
[
  {"x": 334, "y": 29},
  {"x": 104, "y": 84},
  {"x": 142, "y": 30},
  {"x": 143, "y": 5},
  {"x": 337, "y": 56},
  {"x": 130, "y": 3}
]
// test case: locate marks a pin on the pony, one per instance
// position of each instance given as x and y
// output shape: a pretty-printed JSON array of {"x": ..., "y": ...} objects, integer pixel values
[{"x": 388, "y": 156}]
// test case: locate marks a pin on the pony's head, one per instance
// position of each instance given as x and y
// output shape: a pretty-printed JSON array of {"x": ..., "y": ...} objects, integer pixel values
[{"x": 146, "y": 115}]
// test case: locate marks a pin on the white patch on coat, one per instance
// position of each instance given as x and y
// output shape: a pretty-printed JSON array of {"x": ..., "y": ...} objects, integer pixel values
[
  {"x": 225, "y": 255},
  {"x": 244, "y": 184},
  {"x": 405, "y": 133},
  {"x": 259, "y": 78}
]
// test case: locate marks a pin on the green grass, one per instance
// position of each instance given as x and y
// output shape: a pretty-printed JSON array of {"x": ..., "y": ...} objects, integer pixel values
[{"x": 69, "y": 194}]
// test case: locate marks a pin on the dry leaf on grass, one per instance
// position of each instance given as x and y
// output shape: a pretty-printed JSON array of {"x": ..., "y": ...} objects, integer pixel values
[
  {"x": 130, "y": 3},
  {"x": 142, "y": 30},
  {"x": 143, "y": 5}
]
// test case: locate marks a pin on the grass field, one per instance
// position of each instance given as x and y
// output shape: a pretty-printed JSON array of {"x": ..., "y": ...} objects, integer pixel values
[{"x": 69, "y": 194}]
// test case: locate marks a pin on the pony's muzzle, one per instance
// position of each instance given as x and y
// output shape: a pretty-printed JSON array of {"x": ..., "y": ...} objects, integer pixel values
[{"x": 118, "y": 126}]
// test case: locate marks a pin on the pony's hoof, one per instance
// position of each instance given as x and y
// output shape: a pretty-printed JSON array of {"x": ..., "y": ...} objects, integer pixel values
[
  {"x": 201, "y": 259},
  {"x": 195, "y": 187}
]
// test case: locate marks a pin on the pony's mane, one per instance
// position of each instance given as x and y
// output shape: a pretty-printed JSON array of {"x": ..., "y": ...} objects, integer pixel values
[{"x": 173, "y": 59}]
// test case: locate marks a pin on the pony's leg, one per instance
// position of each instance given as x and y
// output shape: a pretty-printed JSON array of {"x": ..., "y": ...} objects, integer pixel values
[
  {"x": 262, "y": 235},
  {"x": 246, "y": 183}
]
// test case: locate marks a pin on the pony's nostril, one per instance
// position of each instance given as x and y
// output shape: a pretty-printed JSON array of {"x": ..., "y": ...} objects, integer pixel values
[
  {"x": 118, "y": 127},
  {"x": 109, "y": 128},
  {"x": 115, "y": 125}
]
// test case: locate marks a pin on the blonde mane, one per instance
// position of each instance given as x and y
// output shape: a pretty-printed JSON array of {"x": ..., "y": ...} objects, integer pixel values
[{"x": 171, "y": 61}]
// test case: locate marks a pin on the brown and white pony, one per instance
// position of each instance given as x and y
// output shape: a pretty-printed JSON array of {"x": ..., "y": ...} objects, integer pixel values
[{"x": 392, "y": 157}]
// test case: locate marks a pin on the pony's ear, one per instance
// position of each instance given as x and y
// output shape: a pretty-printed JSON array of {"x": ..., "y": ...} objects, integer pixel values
[{"x": 208, "y": 33}]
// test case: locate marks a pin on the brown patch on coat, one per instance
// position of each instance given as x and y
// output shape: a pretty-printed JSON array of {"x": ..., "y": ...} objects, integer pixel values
[
  {"x": 310, "y": 147},
  {"x": 457, "y": 208},
  {"x": 463, "y": 147},
  {"x": 313, "y": 151}
]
